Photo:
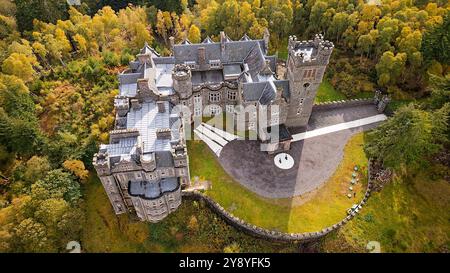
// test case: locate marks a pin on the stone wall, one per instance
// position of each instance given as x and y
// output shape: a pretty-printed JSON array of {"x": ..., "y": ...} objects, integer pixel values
[
  {"x": 271, "y": 234},
  {"x": 342, "y": 104}
]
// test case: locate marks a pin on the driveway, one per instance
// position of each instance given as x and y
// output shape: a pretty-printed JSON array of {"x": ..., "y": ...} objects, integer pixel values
[{"x": 315, "y": 158}]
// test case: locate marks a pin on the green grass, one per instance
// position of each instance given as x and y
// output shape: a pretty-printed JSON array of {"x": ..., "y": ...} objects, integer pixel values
[
  {"x": 106, "y": 232},
  {"x": 408, "y": 215},
  {"x": 327, "y": 92},
  {"x": 315, "y": 211}
]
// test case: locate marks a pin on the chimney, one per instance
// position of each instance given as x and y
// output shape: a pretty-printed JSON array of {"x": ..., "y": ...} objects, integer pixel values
[
  {"x": 163, "y": 133},
  {"x": 266, "y": 39},
  {"x": 161, "y": 107},
  {"x": 201, "y": 56},
  {"x": 135, "y": 104},
  {"x": 222, "y": 41},
  {"x": 171, "y": 43}
]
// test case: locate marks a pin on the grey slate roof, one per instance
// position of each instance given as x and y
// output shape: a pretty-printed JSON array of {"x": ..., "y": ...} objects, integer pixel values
[
  {"x": 284, "y": 86},
  {"x": 255, "y": 60},
  {"x": 152, "y": 189},
  {"x": 211, "y": 76},
  {"x": 263, "y": 92},
  {"x": 164, "y": 159},
  {"x": 207, "y": 40},
  {"x": 235, "y": 51}
]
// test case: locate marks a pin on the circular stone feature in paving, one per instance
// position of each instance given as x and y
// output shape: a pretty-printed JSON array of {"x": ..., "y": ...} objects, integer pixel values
[{"x": 283, "y": 161}]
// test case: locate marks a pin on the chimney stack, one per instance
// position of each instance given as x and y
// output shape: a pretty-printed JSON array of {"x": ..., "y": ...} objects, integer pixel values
[
  {"x": 201, "y": 56},
  {"x": 266, "y": 39},
  {"x": 161, "y": 107},
  {"x": 222, "y": 41},
  {"x": 171, "y": 43}
]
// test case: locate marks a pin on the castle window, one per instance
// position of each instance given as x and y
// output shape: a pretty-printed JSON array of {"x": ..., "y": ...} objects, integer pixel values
[
  {"x": 231, "y": 95},
  {"x": 300, "y": 106},
  {"x": 309, "y": 73},
  {"x": 214, "y": 63},
  {"x": 274, "y": 118},
  {"x": 197, "y": 98},
  {"x": 215, "y": 110},
  {"x": 197, "y": 111},
  {"x": 230, "y": 109},
  {"x": 214, "y": 96}
]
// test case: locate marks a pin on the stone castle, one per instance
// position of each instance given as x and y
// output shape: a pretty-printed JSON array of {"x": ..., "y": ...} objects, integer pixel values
[{"x": 145, "y": 166}]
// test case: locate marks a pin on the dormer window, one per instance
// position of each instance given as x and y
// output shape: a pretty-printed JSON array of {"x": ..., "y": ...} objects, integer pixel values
[
  {"x": 214, "y": 63},
  {"x": 191, "y": 64}
]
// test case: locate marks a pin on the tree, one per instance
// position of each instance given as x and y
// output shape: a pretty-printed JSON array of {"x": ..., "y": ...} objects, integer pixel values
[
  {"x": 407, "y": 138},
  {"x": 19, "y": 65},
  {"x": 18, "y": 123},
  {"x": 390, "y": 67},
  {"x": 57, "y": 184},
  {"x": 194, "y": 34},
  {"x": 50, "y": 211},
  {"x": 36, "y": 168},
  {"x": 43, "y": 10},
  {"x": 77, "y": 168},
  {"x": 436, "y": 42},
  {"x": 31, "y": 236}
]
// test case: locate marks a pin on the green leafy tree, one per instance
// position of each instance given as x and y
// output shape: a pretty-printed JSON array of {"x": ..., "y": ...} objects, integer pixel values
[
  {"x": 31, "y": 236},
  {"x": 18, "y": 123},
  {"x": 406, "y": 139},
  {"x": 43, "y": 10},
  {"x": 194, "y": 34},
  {"x": 436, "y": 43},
  {"x": 390, "y": 67},
  {"x": 57, "y": 184}
]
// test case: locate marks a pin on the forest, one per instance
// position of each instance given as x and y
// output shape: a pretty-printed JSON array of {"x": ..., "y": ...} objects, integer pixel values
[{"x": 58, "y": 78}]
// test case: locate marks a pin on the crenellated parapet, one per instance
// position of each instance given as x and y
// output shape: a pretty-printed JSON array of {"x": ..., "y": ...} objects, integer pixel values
[
  {"x": 148, "y": 162},
  {"x": 101, "y": 162},
  {"x": 122, "y": 105},
  {"x": 310, "y": 52},
  {"x": 117, "y": 134},
  {"x": 182, "y": 80}
]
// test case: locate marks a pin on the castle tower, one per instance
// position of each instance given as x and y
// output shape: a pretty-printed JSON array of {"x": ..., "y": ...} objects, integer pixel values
[
  {"x": 182, "y": 83},
  {"x": 306, "y": 64}
]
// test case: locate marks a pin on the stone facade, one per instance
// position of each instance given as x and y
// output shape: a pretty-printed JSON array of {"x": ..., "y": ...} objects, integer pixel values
[{"x": 145, "y": 165}]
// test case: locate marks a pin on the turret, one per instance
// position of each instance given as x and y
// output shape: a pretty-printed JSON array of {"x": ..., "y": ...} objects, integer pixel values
[
  {"x": 122, "y": 105},
  {"x": 324, "y": 52},
  {"x": 101, "y": 162},
  {"x": 182, "y": 83}
]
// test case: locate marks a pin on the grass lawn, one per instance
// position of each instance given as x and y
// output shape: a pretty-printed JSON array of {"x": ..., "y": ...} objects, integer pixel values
[
  {"x": 322, "y": 208},
  {"x": 327, "y": 92},
  {"x": 406, "y": 216},
  {"x": 105, "y": 232}
]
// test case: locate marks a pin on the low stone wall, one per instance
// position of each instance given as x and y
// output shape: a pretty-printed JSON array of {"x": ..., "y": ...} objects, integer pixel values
[
  {"x": 341, "y": 104},
  {"x": 271, "y": 234}
]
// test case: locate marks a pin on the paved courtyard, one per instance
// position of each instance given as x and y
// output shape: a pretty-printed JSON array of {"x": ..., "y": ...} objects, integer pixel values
[{"x": 316, "y": 158}]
